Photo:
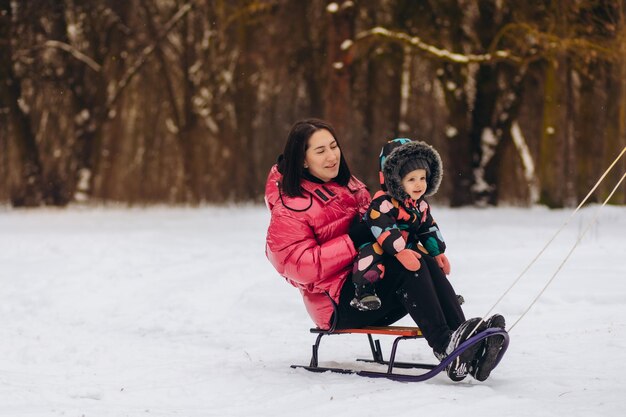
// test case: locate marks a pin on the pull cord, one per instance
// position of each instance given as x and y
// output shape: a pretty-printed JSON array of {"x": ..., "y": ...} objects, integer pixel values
[
  {"x": 580, "y": 238},
  {"x": 532, "y": 262}
]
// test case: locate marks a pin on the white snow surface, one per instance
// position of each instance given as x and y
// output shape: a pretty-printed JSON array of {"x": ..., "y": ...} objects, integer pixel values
[{"x": 176, "y": 312}]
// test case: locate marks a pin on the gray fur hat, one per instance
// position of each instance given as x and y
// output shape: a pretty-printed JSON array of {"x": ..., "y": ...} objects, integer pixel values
[{"x": 401, "y": 154}]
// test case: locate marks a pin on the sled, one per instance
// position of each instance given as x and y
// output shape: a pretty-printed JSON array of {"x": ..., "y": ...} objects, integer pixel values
[{"x": 401, "y": 333}]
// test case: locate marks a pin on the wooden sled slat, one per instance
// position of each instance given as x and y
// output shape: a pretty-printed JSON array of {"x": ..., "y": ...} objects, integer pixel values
[{"x": 386, "y": 330}]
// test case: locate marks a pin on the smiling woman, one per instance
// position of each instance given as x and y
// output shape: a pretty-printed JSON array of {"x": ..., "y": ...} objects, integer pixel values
[
  {"x": 322, "y": 155},
  {"x": 314, "y": 200},
  {"x": 313, "y": 152}
]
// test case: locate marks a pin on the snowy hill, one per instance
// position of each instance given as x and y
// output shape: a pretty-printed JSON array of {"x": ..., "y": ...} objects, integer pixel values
[{"x": 176, "y": 312}]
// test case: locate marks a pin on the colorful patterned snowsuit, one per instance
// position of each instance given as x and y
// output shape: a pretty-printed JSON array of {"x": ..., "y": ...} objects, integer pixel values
[
  {"x": 395, "y": 226},
  {"x": 397, "y": 222}
]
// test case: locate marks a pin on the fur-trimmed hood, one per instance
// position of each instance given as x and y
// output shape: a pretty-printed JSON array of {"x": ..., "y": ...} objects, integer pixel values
[{"x": 395, "y": 154}]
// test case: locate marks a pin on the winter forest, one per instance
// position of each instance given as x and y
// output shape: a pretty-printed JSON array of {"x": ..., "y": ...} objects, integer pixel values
[{"x": 189, "y": 101}]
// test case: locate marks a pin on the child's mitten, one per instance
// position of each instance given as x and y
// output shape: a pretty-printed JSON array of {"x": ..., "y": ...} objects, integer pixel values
[
  {"x": 409, "y": 259},
  {"x": 444, "y": 264}
]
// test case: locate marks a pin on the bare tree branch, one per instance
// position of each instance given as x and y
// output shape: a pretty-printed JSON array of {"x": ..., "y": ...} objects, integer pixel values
[
  {"x": 552, "y": 42},
  {"x": 115, "y": 91},
  {"x": 87, "y": 60},
  {"x": 443, "y": 54},
  {"x": 75, "y": 53},
  {"x": 251, "y": 10}
]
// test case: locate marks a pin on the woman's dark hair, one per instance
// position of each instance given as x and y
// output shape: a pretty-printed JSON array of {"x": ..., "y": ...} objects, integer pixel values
[{"x": 291, "y": 163}]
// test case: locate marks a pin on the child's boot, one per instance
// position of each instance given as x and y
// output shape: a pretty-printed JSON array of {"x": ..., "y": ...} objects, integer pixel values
[
  {"x": 365, "y": 298},
  {"x": 487, "y": 356},
  {"x": 460, "y": 366}
]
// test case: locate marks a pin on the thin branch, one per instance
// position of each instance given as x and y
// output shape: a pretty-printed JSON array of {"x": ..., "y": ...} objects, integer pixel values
[
  {"x": 253, "y": 9},
  {"x": 161, "y": 57},
  {"x": 90, "y": 62},
  {"x": 145, "y": 53},
  {"x": 439, "y": 53},
  {"x": 551, "y": 42}
]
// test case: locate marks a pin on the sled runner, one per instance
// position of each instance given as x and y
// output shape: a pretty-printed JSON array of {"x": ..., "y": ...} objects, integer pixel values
[{"x": 401, "y": 333}]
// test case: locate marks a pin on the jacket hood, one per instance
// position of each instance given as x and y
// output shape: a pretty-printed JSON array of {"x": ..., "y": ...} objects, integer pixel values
[{"x": 395, "y": 154}]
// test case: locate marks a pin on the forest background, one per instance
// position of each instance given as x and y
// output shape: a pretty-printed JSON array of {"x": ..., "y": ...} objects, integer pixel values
[{"x": 190, "y": 101}]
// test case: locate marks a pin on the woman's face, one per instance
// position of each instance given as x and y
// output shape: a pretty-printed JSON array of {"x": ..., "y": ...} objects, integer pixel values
[{"x": 322, "y": 155}]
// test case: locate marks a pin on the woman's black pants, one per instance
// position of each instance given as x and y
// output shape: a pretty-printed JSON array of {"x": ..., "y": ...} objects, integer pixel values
[{"x": 426, "y": 295}]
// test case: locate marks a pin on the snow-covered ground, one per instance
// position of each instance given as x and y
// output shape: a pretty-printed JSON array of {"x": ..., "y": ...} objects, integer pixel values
[{"x": 176, "y": 312}]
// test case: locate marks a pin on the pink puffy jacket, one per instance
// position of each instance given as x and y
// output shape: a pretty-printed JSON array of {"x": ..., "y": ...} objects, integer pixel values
[{"x": 307, "y": 239}]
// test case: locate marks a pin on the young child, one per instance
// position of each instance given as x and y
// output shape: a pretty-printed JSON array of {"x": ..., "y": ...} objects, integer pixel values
[
  {"x": 399, "y": 217},
  {"x": 400, "y": 221}
]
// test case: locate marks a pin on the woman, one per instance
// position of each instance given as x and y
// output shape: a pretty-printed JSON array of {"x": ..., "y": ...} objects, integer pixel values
[{"x": 312, "y": 241}]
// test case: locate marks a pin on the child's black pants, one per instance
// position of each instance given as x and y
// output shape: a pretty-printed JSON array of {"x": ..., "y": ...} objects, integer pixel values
[{"x": 426, "y": 295}]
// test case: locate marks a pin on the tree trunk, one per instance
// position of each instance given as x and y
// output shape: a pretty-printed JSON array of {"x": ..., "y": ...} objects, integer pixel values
[
  {"x": 28, "y": 193},
  {"x": 504, "y": 172},
  {"x": 615, "y": 131},
  {"x": 592, "y": 122},
  {"x": 245, "y": 103},
  {"x": 552, "y": 145},
  {"x": 570, "y": 174},
  {"x": 460, "y": 150},
  {"x": 486, "y": 77},
  {"x": 337, "y": 94},
  {"x": 182, "y": 114},
  {"x": 455, "y": 81},
  {"x": 620, "y": 198}
]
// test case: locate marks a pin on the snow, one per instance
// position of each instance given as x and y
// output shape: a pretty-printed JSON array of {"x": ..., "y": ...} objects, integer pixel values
[
  {"x": 332, "y": 7},
  {"x": 176, "y": 312}
]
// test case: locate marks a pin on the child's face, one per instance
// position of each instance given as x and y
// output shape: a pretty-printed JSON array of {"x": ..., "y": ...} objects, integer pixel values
[{"x": 414, "y": 183}]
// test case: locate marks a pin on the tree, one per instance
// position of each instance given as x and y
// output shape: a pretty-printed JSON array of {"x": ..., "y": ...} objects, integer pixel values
[
  {"x": 29, "y": 191},
  {"x": 188, "y": 101},
  {"x": 484, "y": 92}
]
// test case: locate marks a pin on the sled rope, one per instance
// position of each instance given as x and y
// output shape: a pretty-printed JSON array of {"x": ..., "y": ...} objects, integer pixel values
[
  {"x": 532, "y": 262},
  {"x": 593, "y": 220}
]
